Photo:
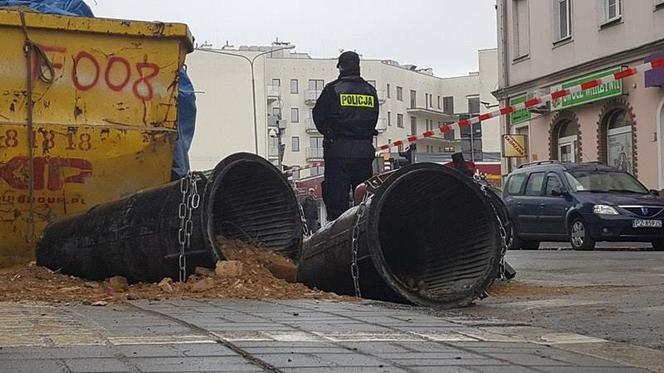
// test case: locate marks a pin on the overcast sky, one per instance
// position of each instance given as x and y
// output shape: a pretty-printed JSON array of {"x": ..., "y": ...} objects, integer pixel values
[{"x": 443, "y": 34}]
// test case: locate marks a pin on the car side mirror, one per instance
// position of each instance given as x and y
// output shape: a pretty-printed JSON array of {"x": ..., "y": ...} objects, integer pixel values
[{"x": 654, "y": 192}]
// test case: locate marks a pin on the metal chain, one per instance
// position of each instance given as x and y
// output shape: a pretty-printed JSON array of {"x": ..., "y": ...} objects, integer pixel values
[
  {"x": 306, "y": 230},
  {"x": 501, "y": 230},
  {"x": 354, "y": 266},
  {"x": 190, "y": 200}
]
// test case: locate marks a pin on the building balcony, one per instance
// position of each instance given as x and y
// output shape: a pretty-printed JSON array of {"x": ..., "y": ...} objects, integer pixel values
[
  {"x": 431, "y": 113},
  {"x": 312, "y": 96},
  {"x": 310, "y": 126},
  {"x": 381, "y": 125},
  {"x": 381, "y": 96},
  {"x": 273, "y": 92},
  {"x": 314, "y": 154}
]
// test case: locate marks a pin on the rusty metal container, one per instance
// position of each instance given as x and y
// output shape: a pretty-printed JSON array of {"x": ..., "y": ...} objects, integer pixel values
[{"x": 102, "y": 123}]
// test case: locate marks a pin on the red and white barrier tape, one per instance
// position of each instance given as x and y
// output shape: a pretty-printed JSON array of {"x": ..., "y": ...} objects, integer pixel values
[{"x": 535, "y": 101}]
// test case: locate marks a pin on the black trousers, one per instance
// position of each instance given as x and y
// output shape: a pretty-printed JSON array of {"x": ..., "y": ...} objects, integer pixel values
[{"x": 342, "y": 175}]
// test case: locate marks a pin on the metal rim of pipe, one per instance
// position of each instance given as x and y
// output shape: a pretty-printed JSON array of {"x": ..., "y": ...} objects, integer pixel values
[
  {"x": 252, "y": 217},
  {"x": 490, "y": 252}
]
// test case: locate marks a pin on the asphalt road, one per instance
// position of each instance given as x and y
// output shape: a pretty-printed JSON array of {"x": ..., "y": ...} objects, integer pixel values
[{"x": 618, "y": 296}]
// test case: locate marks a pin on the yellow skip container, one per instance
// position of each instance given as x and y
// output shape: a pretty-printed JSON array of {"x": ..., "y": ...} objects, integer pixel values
[{"x": 102, "y": 123}]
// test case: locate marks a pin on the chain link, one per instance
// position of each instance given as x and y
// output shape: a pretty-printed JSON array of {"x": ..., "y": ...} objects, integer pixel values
[
  {"x": 504, "y": 237},
  {"x": 190, "y": 200},
  {"x": 354, "y": 265}
]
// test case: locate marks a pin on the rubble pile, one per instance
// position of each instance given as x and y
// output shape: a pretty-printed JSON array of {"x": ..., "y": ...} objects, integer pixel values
[{"x": 248, "y": 273}]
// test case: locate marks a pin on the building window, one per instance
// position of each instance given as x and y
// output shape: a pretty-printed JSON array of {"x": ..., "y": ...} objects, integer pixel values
[
  {"x": 276, "y": 82},
  {"x": 389, "y": 118},
  {"x": 612, "y": 10},
  {"x": 563, "y": 19},
  {"x": 316, "y": 84},
  {"x": 448, "y": 105},
  {"x": 276, "y": 111},
  {"x": 413, "y": 125},
  {"x": 439, "y": 104},
  {"x": 399, "y": 94},
  {"x": 400, "y": 120},
  {"x": 294, "y": 87},
  {"x": 295, "y": 115},
  {"x": 474, "y": 105},
  {"x": 295, "y": 144},
  {"x": 413, "y": 99},
  {"x": 273, "y": 149},
  {"x": 521, "y": 28},
  {"x": 619, "y": 144},
  {"x": 389, "y": 91},
  {"x": 450, "y": 135},
  {"x": 567, "y": 135}
]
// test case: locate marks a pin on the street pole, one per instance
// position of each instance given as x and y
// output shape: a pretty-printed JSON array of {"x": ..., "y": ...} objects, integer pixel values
[
  {"x": 472, "y": 142},
  {"x": 253, "y": 97},
  {"x": 253, "y": 81}
]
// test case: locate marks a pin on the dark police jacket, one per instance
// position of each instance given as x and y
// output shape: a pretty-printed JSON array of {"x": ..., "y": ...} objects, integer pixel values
[{"x": 346, "y": 114}]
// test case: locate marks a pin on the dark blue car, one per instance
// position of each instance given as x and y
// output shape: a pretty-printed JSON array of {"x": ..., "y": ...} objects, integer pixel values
[{"x": 582, "y": 203}]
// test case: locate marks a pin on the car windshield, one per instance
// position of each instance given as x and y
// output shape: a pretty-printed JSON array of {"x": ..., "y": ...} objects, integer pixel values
[{"x": 604, "y": 181}]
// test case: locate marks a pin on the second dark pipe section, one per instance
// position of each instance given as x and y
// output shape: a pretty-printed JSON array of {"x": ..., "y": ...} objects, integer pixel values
[{"x": 428, "y": 236}]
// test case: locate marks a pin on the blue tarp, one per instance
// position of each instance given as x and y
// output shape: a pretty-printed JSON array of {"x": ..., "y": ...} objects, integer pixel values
[
  {"x": 64, "y": 7},
  {"x": 186, "y": 121},
  {"x": 186, "y": 124}
]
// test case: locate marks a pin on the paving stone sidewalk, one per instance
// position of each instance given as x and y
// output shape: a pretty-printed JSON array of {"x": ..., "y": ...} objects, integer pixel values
[{"x": 291, "y": 336}]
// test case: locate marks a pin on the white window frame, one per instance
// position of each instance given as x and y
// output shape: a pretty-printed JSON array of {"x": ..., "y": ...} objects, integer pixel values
[
  {"x": 557, "y": 16},
  {"x": 295, "y": 140},
  {"x": 295, "y": 115},
  {"x": 572, "y": 142},
  {"x": 296, "y": 86},
  {"x": 521, "y": 41},
  {"x": 607, "y": 18}
]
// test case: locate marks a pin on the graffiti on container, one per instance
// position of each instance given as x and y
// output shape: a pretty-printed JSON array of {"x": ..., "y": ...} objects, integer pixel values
[
  {"x": 114, "y": 72},
  {"x": 46, "y": 139},
  {"x": 42, "y": 200},
  {"x": 49, "y": 172}
]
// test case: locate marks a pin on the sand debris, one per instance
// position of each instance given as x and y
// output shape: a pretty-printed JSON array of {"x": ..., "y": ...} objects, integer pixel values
[{"x": 249, "y": 272}]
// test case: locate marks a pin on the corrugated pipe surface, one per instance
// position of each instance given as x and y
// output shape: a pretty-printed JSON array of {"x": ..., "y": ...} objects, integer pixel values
[
  {"x": 244, "y": 197},
  {"x": 429, "y": 236}
]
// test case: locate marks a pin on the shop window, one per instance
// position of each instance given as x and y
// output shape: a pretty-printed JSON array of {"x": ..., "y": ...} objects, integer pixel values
[
  {"x": 619, "y": 146},
  {"x": 564, "y": 139}
]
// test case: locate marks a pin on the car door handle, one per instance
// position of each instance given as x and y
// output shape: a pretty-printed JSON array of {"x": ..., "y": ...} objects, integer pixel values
[{"x": 541, "y": 205}]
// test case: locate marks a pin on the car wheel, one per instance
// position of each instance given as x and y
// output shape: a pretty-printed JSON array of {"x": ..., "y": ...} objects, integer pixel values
[
  {"x": 658, "y": 245},
  {"x": 579, "y": 235}
]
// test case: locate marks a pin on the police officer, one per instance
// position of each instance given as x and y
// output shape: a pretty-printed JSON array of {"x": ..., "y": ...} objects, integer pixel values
[{"x": 346, "y": 114}]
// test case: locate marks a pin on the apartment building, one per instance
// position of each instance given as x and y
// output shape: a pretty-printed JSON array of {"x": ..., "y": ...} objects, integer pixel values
[
  {"x": 287, "y": 85},
  {"x": 546, "y": 45}
]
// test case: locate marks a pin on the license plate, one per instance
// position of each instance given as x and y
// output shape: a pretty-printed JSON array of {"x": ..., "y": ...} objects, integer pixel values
[{"x": 639, "y": 223}]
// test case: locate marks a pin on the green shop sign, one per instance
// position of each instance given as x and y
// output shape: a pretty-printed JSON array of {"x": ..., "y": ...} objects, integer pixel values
[
  {"x": 522, "y": 115},
  {"x": 601, "y": 92}
]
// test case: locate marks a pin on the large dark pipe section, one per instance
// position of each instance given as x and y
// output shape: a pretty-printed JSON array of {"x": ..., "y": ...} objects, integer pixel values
[
  {"x": 244, "y": 197},
  {"x": 429, "y": 236}
]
